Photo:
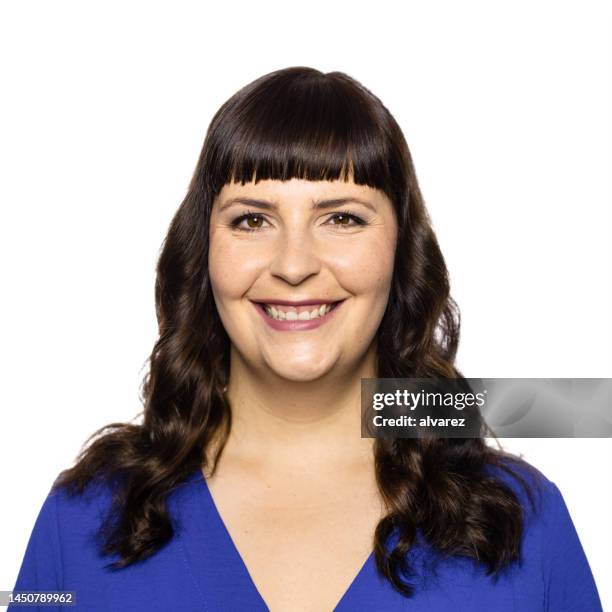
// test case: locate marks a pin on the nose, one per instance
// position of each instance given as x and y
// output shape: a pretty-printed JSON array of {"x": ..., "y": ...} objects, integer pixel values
[{"x": 295, "y": 258}]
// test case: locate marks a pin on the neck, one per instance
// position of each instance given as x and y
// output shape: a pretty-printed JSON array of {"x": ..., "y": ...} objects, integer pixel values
[{"x": 292, "y": 425}]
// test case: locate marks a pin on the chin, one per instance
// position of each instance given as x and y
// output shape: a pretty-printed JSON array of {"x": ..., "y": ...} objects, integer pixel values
[{"x": 300, "y": 372}]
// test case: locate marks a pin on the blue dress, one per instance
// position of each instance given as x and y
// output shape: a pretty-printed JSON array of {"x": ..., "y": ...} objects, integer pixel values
[{"x": 200, "y": 569}]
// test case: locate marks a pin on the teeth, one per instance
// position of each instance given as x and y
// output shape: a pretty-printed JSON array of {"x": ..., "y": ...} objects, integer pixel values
[{"x": 293, "y": 315}]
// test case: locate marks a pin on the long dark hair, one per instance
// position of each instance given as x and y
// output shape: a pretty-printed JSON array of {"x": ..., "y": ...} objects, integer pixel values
[{"x": 301, "y": 123}]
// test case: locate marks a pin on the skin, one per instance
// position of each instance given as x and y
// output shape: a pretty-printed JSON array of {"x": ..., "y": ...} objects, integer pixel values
[
  {"x": 300, "y": 386},
  {"x": 295, "y": 449}
]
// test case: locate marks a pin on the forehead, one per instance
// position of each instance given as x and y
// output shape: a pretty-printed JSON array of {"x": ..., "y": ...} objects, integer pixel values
[{"x": 299, "y": 190}]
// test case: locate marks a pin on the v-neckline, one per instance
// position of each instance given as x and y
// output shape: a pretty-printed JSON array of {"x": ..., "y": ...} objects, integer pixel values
[{"x": 231, "y": 547}]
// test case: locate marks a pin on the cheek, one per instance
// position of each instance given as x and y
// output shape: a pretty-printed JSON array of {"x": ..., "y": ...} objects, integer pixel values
[
  {"x": 367, "y": 268},
  {"x": 231, "y": 269}
]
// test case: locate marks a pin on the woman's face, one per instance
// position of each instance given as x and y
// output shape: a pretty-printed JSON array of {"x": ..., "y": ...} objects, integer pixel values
[{"x": 298, "y": 246}]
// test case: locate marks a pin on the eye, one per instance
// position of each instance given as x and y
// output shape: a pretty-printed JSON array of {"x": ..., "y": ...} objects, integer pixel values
[
  {"x": 345, "y": 217},
  {"x": 248, "y": 217}
]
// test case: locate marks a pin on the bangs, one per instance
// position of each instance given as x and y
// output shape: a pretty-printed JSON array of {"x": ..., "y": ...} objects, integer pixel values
[{"x": 300, "y": 124}]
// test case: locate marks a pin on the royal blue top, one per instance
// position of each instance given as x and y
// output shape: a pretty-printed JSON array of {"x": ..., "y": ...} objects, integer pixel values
[{"x": 200, "y": 569}]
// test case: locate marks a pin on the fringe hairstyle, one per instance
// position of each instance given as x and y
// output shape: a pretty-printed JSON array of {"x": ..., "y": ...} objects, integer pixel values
[{"x": 301, "y": 123}]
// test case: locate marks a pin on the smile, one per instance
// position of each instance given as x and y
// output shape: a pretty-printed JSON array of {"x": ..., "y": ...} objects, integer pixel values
[
  {"x": 301, "y": 313},
  {"x": 284, "y": 318}
]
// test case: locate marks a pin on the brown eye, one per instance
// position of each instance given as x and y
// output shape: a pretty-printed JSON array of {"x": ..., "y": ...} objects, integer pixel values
[
  {"x": 347, "y": 219},
  {"x": 253, "y": 222},
  {"x": 251, "y": 219}
]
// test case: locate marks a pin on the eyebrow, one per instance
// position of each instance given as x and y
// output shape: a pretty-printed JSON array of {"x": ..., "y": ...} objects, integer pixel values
[{"x": 316, "y": 205}]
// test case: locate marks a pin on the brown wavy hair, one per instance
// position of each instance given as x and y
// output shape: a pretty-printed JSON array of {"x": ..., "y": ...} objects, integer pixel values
[{"x": 302, "y": 123}]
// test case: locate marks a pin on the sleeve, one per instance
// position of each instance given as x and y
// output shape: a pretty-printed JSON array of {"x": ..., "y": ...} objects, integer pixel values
[
  {"x": 570, "y": 586},
  {"x": 41, "y": 567}
]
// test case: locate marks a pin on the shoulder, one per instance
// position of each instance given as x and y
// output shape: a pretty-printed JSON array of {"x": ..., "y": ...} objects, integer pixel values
[
  {"x": 63, "y": 534},
  {"x": 540, "y": 498},
  {"x": 69, "y": 531},
  {"x": 65, "y": 552},
  {"x": 550, "y": 540},
  {"x": 77, "y": 520},
  {"x": 80, "y": 509},
  {"x": 80, "y": 518},
  {"x": 536, "y": 493}
]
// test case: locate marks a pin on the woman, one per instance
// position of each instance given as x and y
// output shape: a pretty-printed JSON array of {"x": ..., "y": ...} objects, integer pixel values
[{"x": 301, "y": 260}]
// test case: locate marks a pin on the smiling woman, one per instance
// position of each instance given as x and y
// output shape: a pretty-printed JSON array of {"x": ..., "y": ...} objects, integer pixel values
[{"x": 301, "y": 261}]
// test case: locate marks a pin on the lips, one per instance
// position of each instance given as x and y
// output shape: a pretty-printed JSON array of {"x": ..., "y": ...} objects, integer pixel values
[
  {"x": 296, "y": 323},
  {"x": 297, "y": 307},
  {"x": 290, "y": 312}
]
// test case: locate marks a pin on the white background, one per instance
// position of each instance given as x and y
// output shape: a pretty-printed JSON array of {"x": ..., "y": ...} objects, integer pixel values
[{"x": 505, "y": 107}]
